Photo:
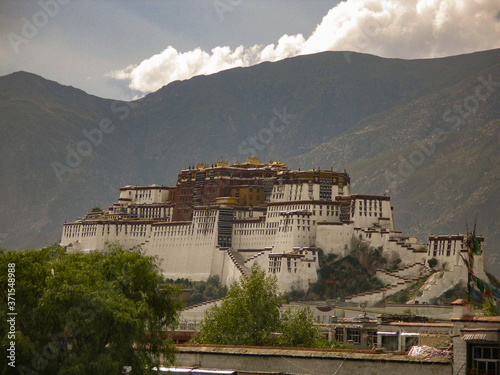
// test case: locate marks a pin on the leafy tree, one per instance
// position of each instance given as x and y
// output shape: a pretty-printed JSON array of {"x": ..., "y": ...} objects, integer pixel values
[
  {"x": 369, "y": 257},
  {"x": 351, "y": 276},
  {"x": 396, "y": 262},
  {"x": 489, "y": 309},
  {"x": 89, "y": 313},
  {"x": 402, "y": 296},
  {"x": 432, "y": 262},
  {"x": 295, "y": 295},
  {"x": 297, "y": 330},
  {"x": 202, "y": 290},
  {"x": 250, "y": 315}
]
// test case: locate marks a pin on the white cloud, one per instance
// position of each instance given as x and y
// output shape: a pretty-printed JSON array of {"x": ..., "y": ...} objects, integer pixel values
[{"x": 388, "y": 28}]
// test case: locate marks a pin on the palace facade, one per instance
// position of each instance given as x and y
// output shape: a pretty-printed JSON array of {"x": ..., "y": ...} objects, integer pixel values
[{"x": 220, "y": 219}]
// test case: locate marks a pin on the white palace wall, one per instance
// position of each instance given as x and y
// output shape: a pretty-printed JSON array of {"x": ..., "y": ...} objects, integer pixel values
[
  {"x": 303, "y": 212},
  {"x": 92, "y": 236},
  {"x": 187, "y": 249},
  {"x": 334, "y": 237}
]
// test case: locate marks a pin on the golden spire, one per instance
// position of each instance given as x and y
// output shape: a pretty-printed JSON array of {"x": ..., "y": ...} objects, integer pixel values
[
  {"x": 201, "y": 165},
  {"x": 253, "y": 160},
  {"x": 221, "y": 162}
]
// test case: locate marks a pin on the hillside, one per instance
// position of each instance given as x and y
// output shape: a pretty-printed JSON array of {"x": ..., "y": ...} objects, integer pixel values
[
  {"x": 366, "y": 116},
  {"x": 40, "y": 120},
  {"x": 441, "y": 175}
]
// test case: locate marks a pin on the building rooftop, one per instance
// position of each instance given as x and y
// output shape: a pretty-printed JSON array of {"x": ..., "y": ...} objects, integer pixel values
[
  {"x": 309, "y": 353},
  {"x": 418, "y": 324},
  {"x": 472, "y": 318}
]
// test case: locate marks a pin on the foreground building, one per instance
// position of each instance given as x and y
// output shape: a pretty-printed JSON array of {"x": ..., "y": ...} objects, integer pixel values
[
  {"x": 462, "y": 344},
  {"x": 476, "y": 341},
  {"x": 220, "y": 219}
]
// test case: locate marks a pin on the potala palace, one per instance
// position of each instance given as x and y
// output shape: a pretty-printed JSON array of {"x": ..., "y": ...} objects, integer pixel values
[{"x": 220, "y": 219}]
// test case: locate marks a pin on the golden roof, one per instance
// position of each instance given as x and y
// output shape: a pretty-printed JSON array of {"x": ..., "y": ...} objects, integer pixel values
[
  {"x": 201, "y": 165},
  {"x": 252, "y": 160},
  {"x": 221, "y": 162}
]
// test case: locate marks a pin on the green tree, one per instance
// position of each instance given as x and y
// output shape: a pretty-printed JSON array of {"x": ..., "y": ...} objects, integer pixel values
[
  {"x": 489, "y": 309},
  {"x": 351, "y": 276},
  {"x": 202, "y": 291},
  {"x": 250, "y": 315},
  {"x": 432, "y": 262},
  {"x": 89, "y": 313},
  {"x": 370, "y": 258},
  {"x": 297, "y": 330}
]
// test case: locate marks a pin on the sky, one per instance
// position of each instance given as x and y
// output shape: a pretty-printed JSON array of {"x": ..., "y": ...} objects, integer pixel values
[{"x": 124, "y": 49}]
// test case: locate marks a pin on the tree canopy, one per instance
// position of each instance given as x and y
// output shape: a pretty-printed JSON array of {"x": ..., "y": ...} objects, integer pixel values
[
  {"x": 202, "y": 291},
  {"x": 432, "y": 262},
  {"x": 250, "y": 315},
  {"x": 88, "y": 313}
]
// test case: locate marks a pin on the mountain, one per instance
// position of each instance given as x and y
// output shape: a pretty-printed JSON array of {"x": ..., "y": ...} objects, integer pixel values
[
  {"x": 424, "y": 131},
  {"x": 40, "y": 120}
]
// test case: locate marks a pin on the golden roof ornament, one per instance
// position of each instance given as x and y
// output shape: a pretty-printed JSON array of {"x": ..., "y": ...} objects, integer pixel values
[
  {"x": 221, "y": 162},
  {"x": 252, "y": 160},
  {"x": 201, "y": 165}
]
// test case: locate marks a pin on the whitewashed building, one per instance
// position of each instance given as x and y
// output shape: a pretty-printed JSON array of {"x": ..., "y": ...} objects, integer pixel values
[{"x": 220, "y": 219}]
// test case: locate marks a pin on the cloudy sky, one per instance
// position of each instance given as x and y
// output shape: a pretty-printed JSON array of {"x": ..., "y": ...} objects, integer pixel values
[{"x": 125, "y": 49}]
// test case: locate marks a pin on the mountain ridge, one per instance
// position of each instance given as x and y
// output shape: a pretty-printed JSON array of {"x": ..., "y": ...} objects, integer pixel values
[{"x": 363, "y": 115}]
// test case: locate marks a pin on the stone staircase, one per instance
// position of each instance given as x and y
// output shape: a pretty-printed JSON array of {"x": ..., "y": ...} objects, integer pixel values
[
  {"x": 412, "y": 272},
  {"x": 371, "y": 298},
  {"x": 239, "y": 262},
  {"x": 253, "y": 257},
  {"x": 442, "y": 281},
  {"x": 396, "y": 281},
  {"x": 389, "y": 278},
  {"x": 211, "y": 302}
]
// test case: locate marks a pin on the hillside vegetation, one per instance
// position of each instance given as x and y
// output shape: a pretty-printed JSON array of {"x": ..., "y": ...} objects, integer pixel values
[{"x": 353, "y": 273}]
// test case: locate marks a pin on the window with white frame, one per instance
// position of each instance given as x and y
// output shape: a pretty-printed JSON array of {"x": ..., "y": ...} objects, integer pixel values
[{"x": 484, "y": 359}]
